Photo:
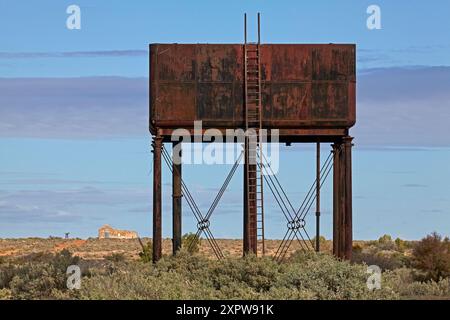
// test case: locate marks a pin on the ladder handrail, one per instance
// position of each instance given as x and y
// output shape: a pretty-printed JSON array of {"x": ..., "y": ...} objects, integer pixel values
[{"x": 253, "y": 121}]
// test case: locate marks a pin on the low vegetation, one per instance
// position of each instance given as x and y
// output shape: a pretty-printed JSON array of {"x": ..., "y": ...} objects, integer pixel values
[
  {"x": 191, "y": 242},
  {"x": 410, "y": 271}
]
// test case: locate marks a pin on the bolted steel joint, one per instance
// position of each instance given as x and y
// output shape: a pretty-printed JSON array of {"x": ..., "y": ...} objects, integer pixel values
[{"x": 203, "y": 224}]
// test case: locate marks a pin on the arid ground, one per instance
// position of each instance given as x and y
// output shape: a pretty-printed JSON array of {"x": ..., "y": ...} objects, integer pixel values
[{"x": 94, "y": 248}]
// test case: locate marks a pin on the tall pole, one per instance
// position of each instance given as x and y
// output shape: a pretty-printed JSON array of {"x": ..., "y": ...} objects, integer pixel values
[
  {"x": 342, "y": 198},
  {"x": 176, "y": 197},
  {"x": 336, "y": 200},
  {"x": 318, "y": 197},
  {"x": 347, "y": 216},
  {"x": 157, "y": 209}
]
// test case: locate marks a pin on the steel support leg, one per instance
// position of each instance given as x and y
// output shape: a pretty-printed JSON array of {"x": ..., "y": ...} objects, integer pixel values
[
  {"x": 347, "y": 216},
  {"x": 336, "y": 199},
  {"x": 157, "y": 209},
  {"x": 318, "y": 197},
  {"x": 176, "y": 199},
  {"x": 342, "y": 199}
]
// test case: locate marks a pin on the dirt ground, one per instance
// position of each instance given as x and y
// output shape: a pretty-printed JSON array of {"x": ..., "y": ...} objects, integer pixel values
[{"x": 94, "y": 248}]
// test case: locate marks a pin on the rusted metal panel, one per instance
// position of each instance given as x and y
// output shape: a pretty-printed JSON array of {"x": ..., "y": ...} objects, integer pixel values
[
  {"x": 172, "y": 97},
  {"x": 176, "y": 203},
  {"x": 342, "y": 198},
  {"x": 157, "y": 199},
  {"x": 286, "y": 62},
  {"x": 289, "y": 101},
  {"x": 304, "y": 86},
  {"x": 215, "y": 101}
]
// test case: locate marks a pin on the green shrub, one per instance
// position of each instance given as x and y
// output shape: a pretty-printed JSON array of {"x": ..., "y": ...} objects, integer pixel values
[
  {"x": 432, "y": 256},
  {"x": 386, "y": 243},
  {"x": 258, "y": 274},
  {"x": 385, "y": 259},
  {"x": 324, "y": 244},
  {"x": 401, "y": 245},
  {"x": 403, "y": 280},
  {"x": 116, "y": 257},
  {"x": 5, "y": 294},
  {"x": 147, "y": 252},
  {"x": 191, "y": 242},
  {"x": 324, "y": 277},
  {"x": 37, "y": 276},
  {"x": 304, "y": 276}
]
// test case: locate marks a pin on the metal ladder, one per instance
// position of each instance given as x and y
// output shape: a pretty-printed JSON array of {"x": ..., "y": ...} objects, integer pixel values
[{"x": 253, "y": 123}]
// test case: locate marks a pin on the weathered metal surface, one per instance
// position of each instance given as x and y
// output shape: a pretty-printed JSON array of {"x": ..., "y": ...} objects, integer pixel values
[
  {"x": 157, "y": 204},
  {"x": 348, "y": 215},
  {"x": 176, "y": 203},
  {"x": 342, "y": 198},
  {"x": 308, "y": 93},
  {"x": 318, "y": 196},
  {"x": 303, "y": 86},
  {"x": 336, "y": 185}
]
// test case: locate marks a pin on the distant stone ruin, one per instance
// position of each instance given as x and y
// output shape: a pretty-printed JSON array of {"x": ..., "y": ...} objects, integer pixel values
[{"x": 108, "y": 232}]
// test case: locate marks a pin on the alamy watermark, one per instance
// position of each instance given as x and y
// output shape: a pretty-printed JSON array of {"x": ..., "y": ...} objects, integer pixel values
[
  {"x": 74, "y": 277},
  {"x": 374, "y": 280},
  {"x": 221, "y": 148},
  {"x": 374, "y": 20},
  {"x": 73, "y": 21}
]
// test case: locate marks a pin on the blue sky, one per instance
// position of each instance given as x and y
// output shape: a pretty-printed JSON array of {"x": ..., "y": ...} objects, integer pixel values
[{"x": 74, "y": 145}]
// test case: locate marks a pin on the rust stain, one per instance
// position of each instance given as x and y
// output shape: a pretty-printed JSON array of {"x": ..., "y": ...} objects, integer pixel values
[{"x": 304, "y": 86}]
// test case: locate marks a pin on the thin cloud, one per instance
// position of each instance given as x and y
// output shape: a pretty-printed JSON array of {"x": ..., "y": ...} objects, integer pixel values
[
  {"x": 415, "y": 185},
  {"x": 433, "y": 211},
  {"x": 14, "y": 213},
  {"x": 74, "y": 54},
  {"x": 47, "y": 181},
  {"x": 401, "y": 107}
]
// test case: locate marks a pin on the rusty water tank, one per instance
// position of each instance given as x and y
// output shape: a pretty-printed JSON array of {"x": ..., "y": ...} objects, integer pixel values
[{"x": 308, "y": 90}]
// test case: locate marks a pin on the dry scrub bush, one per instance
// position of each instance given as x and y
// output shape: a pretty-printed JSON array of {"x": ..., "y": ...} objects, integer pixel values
[
  {"x": 191, "y": 242},
  {"x": 432, "y": 256},
  {"x": 192, "y": 276},
  {"x": 36, "y": 276},
  {"x": 305, "y": 276},
  {"x": 403, "y": 282}
]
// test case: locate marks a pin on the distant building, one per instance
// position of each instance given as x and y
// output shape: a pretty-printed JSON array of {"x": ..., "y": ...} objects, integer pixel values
[{"x": 108, "y": 232}]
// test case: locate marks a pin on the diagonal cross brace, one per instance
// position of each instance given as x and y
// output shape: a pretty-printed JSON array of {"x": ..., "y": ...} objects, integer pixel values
[
  {"x": 296, "y": 221},
  {"x": 285, "y": 205},
  {"x": 203, "y": 222},
  {"x": 299, "y": 218}
]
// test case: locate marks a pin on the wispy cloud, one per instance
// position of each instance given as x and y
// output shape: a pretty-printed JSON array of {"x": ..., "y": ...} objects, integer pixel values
[
  {"x": 414, "y": 185},
  {"x": 14, "y": 213},
  {"x": 63, "y": 205},
  {"x": 74, "y": 54},
  {"x": 433, "y": 211},
  {"x": 49, "y": 181},
  {"x": 74, "y": 107},
  {"x": 406, "y": 107},
  {"x": 396, "y": 56},
  {"x": 400, "y": 107}
]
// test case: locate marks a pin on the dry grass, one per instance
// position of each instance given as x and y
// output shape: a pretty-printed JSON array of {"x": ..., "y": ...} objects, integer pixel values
[{"x": 94, "y": 248}]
